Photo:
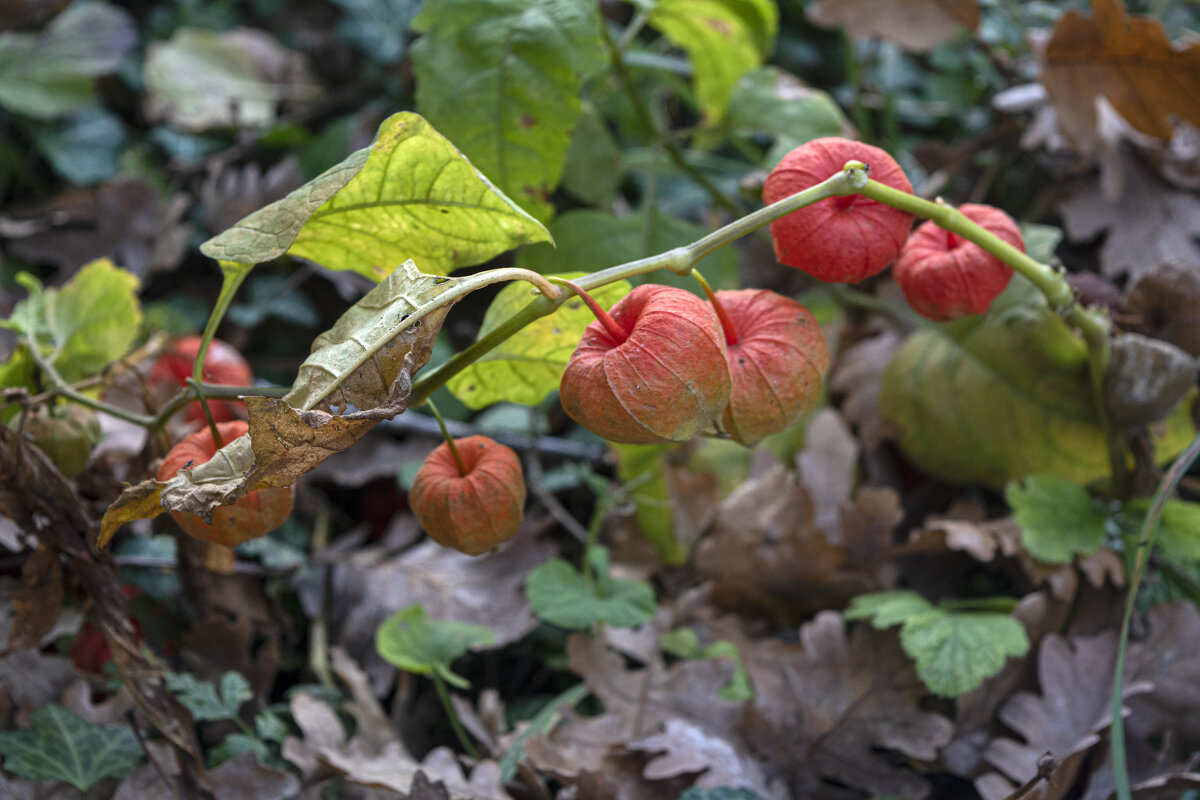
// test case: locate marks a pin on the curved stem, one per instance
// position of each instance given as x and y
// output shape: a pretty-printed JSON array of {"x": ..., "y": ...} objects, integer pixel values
[
  {"x": 1149, "y": 531},
  {"x": 232, "y": 275},
  {"x": 731, "y": 334},
  {"x": 680, "y": 260},
  {"x": 459, "y": 732},
  {"x": 458, "y": 460}
]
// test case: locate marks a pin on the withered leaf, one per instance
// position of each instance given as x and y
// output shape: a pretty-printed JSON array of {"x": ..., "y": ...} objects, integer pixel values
[
  {"x": 359, "y": 373},
  {"x": 36, "y": 605},
  {"x": 1168, "y": 657},
  {"x": 824, "y": 707},
  {"x": 1128, "y": 60},
  {"x": 917, "y": 25}
]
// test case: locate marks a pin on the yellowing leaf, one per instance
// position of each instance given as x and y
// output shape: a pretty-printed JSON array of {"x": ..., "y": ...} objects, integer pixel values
[
  {"x": 917, "y": 25},
  {"x": 1127, "y": 59},
  {"x": 724, "y": 40},
  {"x": 502, "y": 79},
  {"x": 411, "y": 194},
  {"x": 529, "y": 365}
]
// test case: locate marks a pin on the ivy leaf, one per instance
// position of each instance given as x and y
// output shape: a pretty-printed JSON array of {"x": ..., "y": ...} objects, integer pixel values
[
  {"x": 528, "y": 365},
  {"x": 202, "y": 699},
  {"x": 955, "y": 651},
  {"x": 85, "y": 325},
  {"x": 502, "y": 79},
  {"x": 994, "y": 398},
  {"x": 359, "y": 372},
  {"x": 724, "y": 40},
  {"x": 409, "y": 640},
  {"x": 411, "y": 194},
  {"x": 62, "y": 746},
  {"x": 560, "y": 595},
  {"x": 1058, "y": 519},
  {"x": 50, "y": 74}
]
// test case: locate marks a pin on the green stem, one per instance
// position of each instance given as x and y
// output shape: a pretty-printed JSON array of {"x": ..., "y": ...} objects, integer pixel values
[
  {"x": 680, "y": 260},
  {"x": 459, "y": 732},
  {"x": 594, "y": 525},
  {"x": 67, "y": 390},
  {"x": 1166, "y": 488},
  {"x": 646, "y": 120},
  {"x": 232, "y": 275},
  {"x": 215, "y": 390},
  {"x": 458, "y": 460}
]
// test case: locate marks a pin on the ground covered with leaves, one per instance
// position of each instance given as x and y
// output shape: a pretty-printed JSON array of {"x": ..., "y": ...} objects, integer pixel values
[{"x": 917, "y": 591}]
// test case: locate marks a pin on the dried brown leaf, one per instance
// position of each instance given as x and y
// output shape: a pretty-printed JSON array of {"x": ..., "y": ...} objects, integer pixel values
[
  {"x": 917, "y": 25},
  {"x": 1168, "y": 656},
  {"x": 240, "y": 778},
  {"x": 824, "y": 707},
  {"x": 1128, "y": 60},
  {"x": 36, "y": 605},
  {"x": 857, "y": 376},
  {"x": 1164, "y": 302}
]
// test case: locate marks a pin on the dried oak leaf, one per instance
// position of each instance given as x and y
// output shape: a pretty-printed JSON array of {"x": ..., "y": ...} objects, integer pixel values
[
  {"x": 1076, "y": 682},
  {"x": 666, "y": 712},
  {"x": 1150, "y": 225},
  {"x": 369, "y": 585},
  {"x": 1169, "y": 658},
  {"x": 240, "y": 778},
  {"x": 824, "y": 707},
  {"x": 36, "y": 605},
  {"x": 917, "y": 25},
  {"x": 1128, "y": 60}
]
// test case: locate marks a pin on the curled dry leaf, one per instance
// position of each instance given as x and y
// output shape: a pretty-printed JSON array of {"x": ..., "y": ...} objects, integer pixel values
[
  {"x": 1164, "y": 303},
  {"x": 360, "y": 372}
]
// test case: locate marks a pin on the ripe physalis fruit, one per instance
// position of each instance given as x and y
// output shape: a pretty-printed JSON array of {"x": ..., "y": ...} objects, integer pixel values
[
  {"x": 777, "y": 357},
  {"x": 223, "y": 364},
  {"x": 652, "y": 370},
  {"x": 945, "y": 276},
  {"x": 473, "y": 505},
  {"x": 254, "y": 515},
  {"x": 838, "y": 239},
  {"x": 66, "y": 434}
]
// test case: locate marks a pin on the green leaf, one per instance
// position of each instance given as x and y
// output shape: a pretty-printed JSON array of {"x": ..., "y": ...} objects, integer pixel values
[
  {"x": 502, "y": 79},
  {"x": 201, "y": 79},
  {"x": 62, "y": 746},
  {"x": 954, "y": 651},
  {"x": 411, "y": 194},
  {"x": 684, "y": 643},
  {"x": 993, "y": 398},
  {"x": 776, "y": 102},
  {"x": 641, "y": 469},
  {"x": 50, "y": 74},
  {"x": 82, "y": 148},
  {"x": 377, "y": 27},
  {"x": 562, "y": 596},
  {"x": 719, "y": 793},
  {"x": 576, "y": 234},
  {"x": 1058, "y": 519},
  {"x": 541, "y": 722},
  {"x": 202, "y": 698},
  {"x": 413, "y": 643},
  {"x": 85, "y": 325},
  {"x": 529, "y": 365},
  {"x": 724, "y": 40},
  {"x": 593, "y": 170},
  {"x": 1178, "y": 534}
]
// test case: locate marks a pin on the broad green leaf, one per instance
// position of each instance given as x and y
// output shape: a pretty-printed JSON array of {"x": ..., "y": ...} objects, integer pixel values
[
  {"x": 413, "y": 643},
  {"x": 86, "y": 324},
  {"x": 201, "y": 79},
  {"x": 62, "y": 746},
  {"x": 502, "y": 79},
  {"x": 776, "y": 102},
  {"x": 577, "y": 233},
  {"x": 724, "y": 39},
  {"x": 202, "y": 698},
  {"x": 1058, "y": 519},
  {"x": 82, "y": 148},
  {"x": 994, "y": 398},
  {"x": 593, "y": 170},
  {"x": 50, "y": 74},
  {"x": 954, "y": 651},
  {"x": 561, "y": 595},
  {"x": 411, "y": 194},
  {"x": 358, "y": 373},
  {"x": 529, "y": 365}
]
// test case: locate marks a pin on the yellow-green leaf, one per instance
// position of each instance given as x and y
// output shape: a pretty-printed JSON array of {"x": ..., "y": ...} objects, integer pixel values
[
  {"x": 724, "y": 39},
  {"x": 411, "y": 194},
  {"x": 529, "y": 365}
]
